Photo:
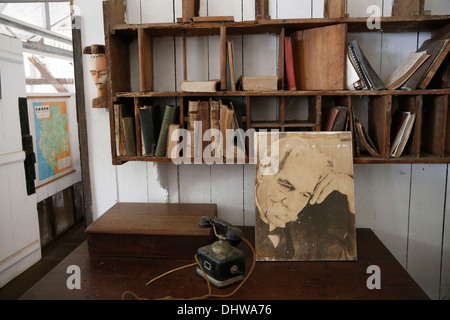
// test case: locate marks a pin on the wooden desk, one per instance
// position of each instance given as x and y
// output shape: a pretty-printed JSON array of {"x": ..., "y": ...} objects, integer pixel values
[{"x": 108, "y": 278}]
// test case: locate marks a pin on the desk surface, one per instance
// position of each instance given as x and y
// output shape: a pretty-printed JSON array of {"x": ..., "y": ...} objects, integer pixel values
[{"x": 108, "y": 278}]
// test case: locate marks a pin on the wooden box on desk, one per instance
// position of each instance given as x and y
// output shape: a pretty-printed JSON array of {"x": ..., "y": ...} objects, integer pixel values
[{"x": 153, "y": 230}]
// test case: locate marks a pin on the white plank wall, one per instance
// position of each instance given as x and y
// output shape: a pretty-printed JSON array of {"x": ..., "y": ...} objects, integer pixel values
[{"x": 406, "y": 205}]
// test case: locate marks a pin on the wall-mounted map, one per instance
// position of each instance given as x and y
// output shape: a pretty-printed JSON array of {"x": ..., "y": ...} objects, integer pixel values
[{"x": 52, "y": 142}]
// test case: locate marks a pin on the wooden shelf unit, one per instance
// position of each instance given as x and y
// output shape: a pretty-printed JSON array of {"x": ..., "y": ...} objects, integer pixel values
[{"x": 430, "y": 141}]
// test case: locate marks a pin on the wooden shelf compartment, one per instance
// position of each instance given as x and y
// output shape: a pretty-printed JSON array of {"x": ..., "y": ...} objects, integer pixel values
[{"x": 434, "y": 125}]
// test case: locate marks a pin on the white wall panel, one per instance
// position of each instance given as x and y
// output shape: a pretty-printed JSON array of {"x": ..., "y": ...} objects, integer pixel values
[
  {"x": 426, "y": 226},
  {"x": 294, "y": 9}
]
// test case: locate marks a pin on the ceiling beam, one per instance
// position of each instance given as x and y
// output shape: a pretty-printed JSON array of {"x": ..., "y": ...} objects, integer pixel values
[
  {"x": 46, "y": 49},
  {"x": 15, "y": 23},
  {"x": 46, "y": 74}
]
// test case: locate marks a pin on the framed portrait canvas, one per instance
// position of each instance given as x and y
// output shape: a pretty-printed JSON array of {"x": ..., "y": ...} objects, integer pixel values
[{"x": 304, "y": 197}]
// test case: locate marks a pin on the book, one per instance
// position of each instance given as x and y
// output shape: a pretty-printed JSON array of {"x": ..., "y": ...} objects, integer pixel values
[
  {"x": 436, "y": 64},
  {"x": 264, "y": 83},
  {"x": 215, "y": 124},
  {"x": 200, "y": 86},
  {"x": 231, "y": 65},
  {"x": 129, "y": 133},
  {"x": 193, "y": 116},
  {"x": 172, "y": 144},
  {"x": 433, "y": 49},
  {"x": 290, "y": 73},
  {"x": 340, "y": 122},
  {"x": 371, "y": 78},
  {"x": 149, "y": 118},
  {"x": 226, "y": 120},
  {"x": 402, "y": 127},
  {"x": 118, "y": 130},
  {"x": 204, "y": 117},
  {"x": 406, "y": 69},
  {"x": 335, "y": 119},
  {"x": 364, "y": 140},
  {"x": 168, "y": 119},
  {"x": 354, "y": 79}
]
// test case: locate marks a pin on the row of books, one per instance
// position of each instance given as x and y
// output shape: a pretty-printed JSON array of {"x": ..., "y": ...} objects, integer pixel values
[
  {"x": 154, "y": 129},
  {"x": 340, "y": 118},
  {"x": 214, "y": 114},
  {"x": 156, "y": 132},
  {"x": 415, "y": 72}
]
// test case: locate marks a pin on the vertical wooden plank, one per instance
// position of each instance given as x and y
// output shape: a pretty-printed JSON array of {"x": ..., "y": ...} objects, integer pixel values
[
  {"x": 145, "y": 43},
  {"x": 387, "y": 217},
  {"x": 194, "y": 182},
  {"x": 164, "y": 64},
  {"x": 438, "y": 7},
  {"x": 294, "y": 9},
  {"x": 133, "y": 12},
  {"x": 445, "y": 264},
  {"x": 153, "y": 12},
  {"x": 248, "y": 112},
  {"x": 426, "y": 225},
  {"x": 225, "y": 8},
  {"x": 379, "y": 123},
  {"x": 249, "y": 195},
  {"x": 257, "y": 62},
  {"x": 248, "y": 10},
  {"x": 132, "y": 182},
  {"x": 227, "y": 191},
  {"x": 318, "y": 8},
  {"x": 358, "y": 8},
  {"x": 157, "y": 181},
  {"x": 334, "y": 8}
]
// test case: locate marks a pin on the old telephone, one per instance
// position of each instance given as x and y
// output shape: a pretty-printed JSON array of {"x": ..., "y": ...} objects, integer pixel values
[{"x": 222, "y": 263}]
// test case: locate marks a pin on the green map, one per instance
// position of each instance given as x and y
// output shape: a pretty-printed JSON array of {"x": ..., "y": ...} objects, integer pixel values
[{"x": 52, "y": 138}]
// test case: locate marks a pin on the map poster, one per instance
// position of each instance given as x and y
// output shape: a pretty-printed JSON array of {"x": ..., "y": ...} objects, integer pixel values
[{"x": 52, "y": 142}]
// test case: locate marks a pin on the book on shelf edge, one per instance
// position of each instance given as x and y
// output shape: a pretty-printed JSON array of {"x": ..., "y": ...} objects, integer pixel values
[
  {"x": 290, "y": 73},
  {"x": 168, "y": 119},
  {"x": 149, "y": 118},
  {"x": 371, "y": 78}
]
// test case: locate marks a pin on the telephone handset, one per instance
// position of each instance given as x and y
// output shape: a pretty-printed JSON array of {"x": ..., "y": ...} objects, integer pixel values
[
  {"x": 233, "y": 234},
  {"x": 222, "y": 263}
]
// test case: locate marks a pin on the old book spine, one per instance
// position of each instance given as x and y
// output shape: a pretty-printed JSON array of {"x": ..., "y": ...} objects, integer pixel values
[
  {"x": 290, "y": 74},
  {"x": 149, "y": 120},
  {"x": 130, "y": 135},
  {"x": 204, "y": 115},
  {"x": 168, "y": 119}
]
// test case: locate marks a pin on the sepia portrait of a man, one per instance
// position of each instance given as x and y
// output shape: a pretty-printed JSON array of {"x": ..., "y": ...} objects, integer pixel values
[{"x": 305, "y": 208}]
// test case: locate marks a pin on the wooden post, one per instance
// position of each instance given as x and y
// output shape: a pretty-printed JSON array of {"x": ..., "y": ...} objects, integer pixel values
[
  {"x": 262, "y": 9},
  {"x": 190, "y": 10},
  {"x": 334, "y": 9},
  {"x": 145, "y": 43},
  {"x": 408, "y": 8}
]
